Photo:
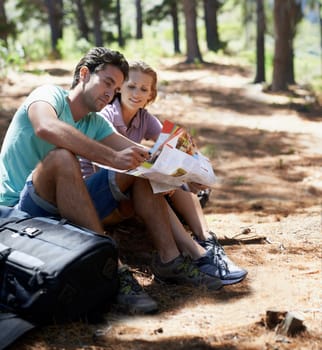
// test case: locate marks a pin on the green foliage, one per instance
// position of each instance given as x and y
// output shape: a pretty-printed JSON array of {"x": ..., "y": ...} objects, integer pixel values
[
  {"x": 72, "y": 48},
  {"x": 307, "y": 59},
  {"x": 34, "y": 7},
  {"x": 317, "y": 84},
  {"x": 158, "y": 12},
  {"x": 209, "y": 150},
  {"x": 33, "y": 35},
  {"x": 11, "y": 57},
  {"x": 193, "y": 132},
  {"x": 230, "y": 25},
  {"x": 150, "y": 49},
  {"x": 239, "y": 180},
  {"x": 269, "y": 59},
  {"x": 37, "y": 50}
]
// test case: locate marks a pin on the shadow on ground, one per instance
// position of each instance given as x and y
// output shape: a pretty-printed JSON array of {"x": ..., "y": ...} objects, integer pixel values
[{"x": 301, "y": 99}]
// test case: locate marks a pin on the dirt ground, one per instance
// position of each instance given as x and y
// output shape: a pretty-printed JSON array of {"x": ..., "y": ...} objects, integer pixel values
[{"x": 266, "y": 150}]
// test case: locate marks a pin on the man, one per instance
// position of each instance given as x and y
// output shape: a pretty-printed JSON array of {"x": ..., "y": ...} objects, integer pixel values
[{"x": 40, "y": 171}]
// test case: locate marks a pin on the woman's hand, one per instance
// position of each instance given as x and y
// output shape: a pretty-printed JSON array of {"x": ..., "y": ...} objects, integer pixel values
[{"x": 196, "y": 187}]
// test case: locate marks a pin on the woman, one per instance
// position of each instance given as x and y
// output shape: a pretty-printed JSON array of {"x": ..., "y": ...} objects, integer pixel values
[{"x": 130, "y": 117}]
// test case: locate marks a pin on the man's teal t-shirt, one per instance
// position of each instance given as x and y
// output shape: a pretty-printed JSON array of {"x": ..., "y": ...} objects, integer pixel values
[{"x": 22, "y": 150}]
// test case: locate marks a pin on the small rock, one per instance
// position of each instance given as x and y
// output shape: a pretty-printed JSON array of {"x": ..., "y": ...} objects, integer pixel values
[
  {"x": 274, "y": 318},
  {"x": 292, "y": 324}
]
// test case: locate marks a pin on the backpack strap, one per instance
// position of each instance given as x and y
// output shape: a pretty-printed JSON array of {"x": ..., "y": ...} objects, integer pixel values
[{"x": 12, "y": 327}]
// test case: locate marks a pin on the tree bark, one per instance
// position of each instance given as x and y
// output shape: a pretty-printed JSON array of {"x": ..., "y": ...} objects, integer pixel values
[
  {"x": 260, "y": 43},
  {"x": 81, "y": 20},
  {"x": 139, "y": 31},
  {"x": 287, "y": 13},
  {"x": 190, "y": 13},
  {"x": 320, "y": 16},
  {"x": 97, "y": 23},
  {"x": 55, "y": 18},
  {"x": 175, "y": 24},
  {"x": 212, "y": 35},
  {"x": 3, "y": 23},
  {"x": 120, "y": 38}
]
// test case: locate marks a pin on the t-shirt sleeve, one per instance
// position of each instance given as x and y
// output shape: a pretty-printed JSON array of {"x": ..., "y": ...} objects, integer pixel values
[
  {"x": 92, "y": 125},
  {"x": 52, "y": 94}
]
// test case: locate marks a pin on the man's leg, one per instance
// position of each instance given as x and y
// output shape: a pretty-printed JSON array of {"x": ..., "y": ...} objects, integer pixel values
[
  {"x": 152, "y": 208},
  {"x": 58, "y": 180}
]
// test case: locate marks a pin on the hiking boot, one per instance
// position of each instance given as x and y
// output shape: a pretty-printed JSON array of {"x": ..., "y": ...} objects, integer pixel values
[
  {"x": 182, "y": 270},
  {"x": 225, "y": 269},
  {"x": 203, "y": 196},
  {"x": 131, "y": 296}
]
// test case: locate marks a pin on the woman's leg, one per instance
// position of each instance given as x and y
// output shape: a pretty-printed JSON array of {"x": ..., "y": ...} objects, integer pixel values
[
  {"x": 187, "y": 205},
  {"x": 183, "y": 239}
]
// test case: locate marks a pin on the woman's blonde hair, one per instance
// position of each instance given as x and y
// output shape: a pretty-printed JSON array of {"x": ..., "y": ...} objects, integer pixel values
[{"x": 143, "y": 67}]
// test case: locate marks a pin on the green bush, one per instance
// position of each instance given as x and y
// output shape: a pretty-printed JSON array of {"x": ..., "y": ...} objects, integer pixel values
[{"x": 11, "y": 57}]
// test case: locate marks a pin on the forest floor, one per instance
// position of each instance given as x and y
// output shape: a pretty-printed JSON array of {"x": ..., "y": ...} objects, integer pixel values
[{"x": 266, "y": 150}]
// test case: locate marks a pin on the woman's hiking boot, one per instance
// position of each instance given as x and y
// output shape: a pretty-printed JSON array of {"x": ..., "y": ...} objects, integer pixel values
[{"x": 224, "y": 268}]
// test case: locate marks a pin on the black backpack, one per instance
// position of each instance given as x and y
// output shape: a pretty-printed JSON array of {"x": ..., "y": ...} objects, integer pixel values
[{"x": 51, "y": 271}]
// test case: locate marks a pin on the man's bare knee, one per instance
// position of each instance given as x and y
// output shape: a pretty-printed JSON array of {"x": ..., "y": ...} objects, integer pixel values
[
  {"x": 59, "y": 168},
  {"x": 59, "y": 162},
  {"x": 60, "y": 158}
]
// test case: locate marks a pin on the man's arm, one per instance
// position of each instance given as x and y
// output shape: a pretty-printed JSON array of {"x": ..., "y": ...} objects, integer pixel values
[
  {"x": 48, "y": 127},
  {"x": 127, "y": 149}
]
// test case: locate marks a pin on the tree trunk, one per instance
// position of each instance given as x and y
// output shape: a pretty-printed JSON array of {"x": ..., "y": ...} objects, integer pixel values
[
  {"x": 55, "y": 17},
  {"x": 260, "y": 43},
  {"x": 119, "y": 23},
  {"x": 97, "y": 23},
  {"x": 139, "y": 32},
  {"x": 175, "y": 23},
  {"x": 193, "y": 51},
  {"x": 81, "y": 20},
  {"x": 282, "y": 46},
  {"x": 286, "y": 17},
  {"x": 3, "y": 23},
  {"x": 320, "y": 16},
  {"x": 295, "y": 17},
  {"x": 212, "y": 36}
]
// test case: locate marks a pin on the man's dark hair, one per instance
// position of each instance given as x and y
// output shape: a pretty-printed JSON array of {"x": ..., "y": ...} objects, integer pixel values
[{"x": 96, "y": 60}]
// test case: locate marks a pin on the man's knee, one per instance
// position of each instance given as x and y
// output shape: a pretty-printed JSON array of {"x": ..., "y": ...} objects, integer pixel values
[
  {"x": 61, "y": 167},
  {"x": 63, "y": 159}
]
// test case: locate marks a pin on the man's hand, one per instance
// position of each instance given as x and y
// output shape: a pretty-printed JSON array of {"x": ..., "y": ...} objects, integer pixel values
[{"x": 130, "y": 158}]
